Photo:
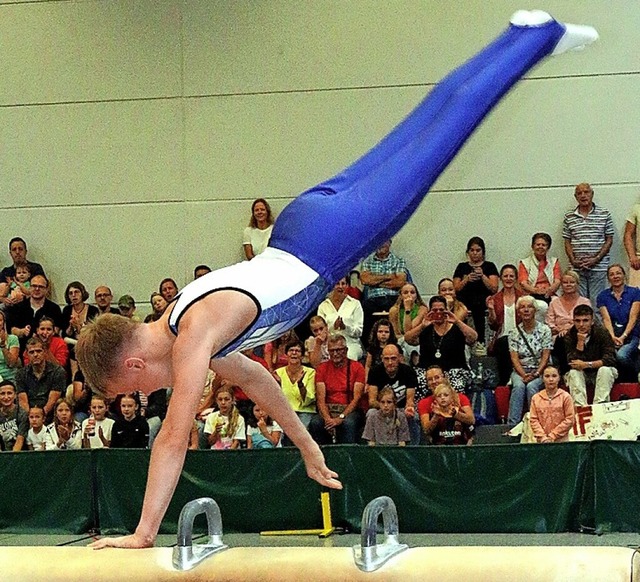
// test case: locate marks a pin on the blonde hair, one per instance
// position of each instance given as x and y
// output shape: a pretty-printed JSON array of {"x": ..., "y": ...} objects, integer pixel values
[
  {"x": 446, "y": 386},
  {"x": 99, "y": 346},
  {"x": 234, "y": 414}
]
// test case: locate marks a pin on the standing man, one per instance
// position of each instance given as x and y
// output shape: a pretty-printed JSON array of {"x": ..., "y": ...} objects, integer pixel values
[
  {"x": 588, "y": 233},
  {"x": 401, "y": 378},
  {"x": 18, "y": 253},
  {"x": 339, "y": 387},
  {"x": 41, "y": 382},
  {"x": 103, "y": 297},
  {"x": 383, "y": 273},
  {"x": 632, "y": 244},
  {"x": 23, "y": 319},
  {"x": 591, "y": 355}
]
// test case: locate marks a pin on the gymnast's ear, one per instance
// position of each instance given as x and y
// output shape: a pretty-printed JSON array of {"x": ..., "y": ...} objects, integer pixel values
[{"x": 134, "y": 364}]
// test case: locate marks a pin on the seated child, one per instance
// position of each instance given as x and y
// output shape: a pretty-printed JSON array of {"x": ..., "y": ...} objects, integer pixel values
[
  {"x": 263, "y": 432},
  {"x": 96, "y": 430},
  {"x": 225, "y": 428},
  {"x": 64, "y": 432},
  {"x": 36, "y": 434},
  {"x": 18, "y": 287},
  {"x": 131, "y": 431},
  {"x": 443, "y": 427},
  {"x": 385, "y": 425}
]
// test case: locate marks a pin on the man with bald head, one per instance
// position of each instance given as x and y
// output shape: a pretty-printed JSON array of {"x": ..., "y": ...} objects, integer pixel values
[
  {"x": 402, "y": 380},
  {"x": 588, "y": 234},
  {"x": 103, "y": 297}
]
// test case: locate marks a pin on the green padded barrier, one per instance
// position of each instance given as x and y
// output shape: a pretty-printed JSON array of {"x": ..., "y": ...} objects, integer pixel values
[{"x": 46, "y": 492}]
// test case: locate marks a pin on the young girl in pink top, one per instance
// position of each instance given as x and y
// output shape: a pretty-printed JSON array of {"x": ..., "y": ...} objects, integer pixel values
[{"x": 551, "y": 412}]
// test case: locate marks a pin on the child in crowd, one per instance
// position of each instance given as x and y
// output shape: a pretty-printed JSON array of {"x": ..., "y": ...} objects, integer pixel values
[
  {"x": 551, "y": 412},
  {"x": 96, "y": 430},
  {"x": 225, "y": 428},
  {"x": 17, "y": 288},
  {"x": 64, "y": 432},
  {"x": 56, "y": 348},
  {"x": 444, "y": 428},
  {"x": 382, "y": 334},
  {"x": 316, "y": 345},
  {"x": 131, "y": 431},
  {"x": 13, "y": 420},
  {"x": 263, "y": 432},
  {"x": 385, "y": 426},
  {"x": 37, "y": 433}
]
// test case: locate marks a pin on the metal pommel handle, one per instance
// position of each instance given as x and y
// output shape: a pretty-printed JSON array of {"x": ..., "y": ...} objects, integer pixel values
[
  {"x": 186, "y": 555},
  {"x": 370, "y": 556}
]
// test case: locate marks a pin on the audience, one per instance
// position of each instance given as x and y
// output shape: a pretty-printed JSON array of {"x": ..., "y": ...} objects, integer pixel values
[
  {"x": 18, "y": 254},
  {"x": 552, "y": 412},
  {"x": 386, "y": 425},
  {"x": 64, "y": 432},
  {"x": 200, "y": 270},
  {"x": 127, "y": 307},
  {"x": 56, "y": 349},
  {"x": 74, "y": 316},
  {"x": 158, "y": 305},
  {"x": 225, "y": 428},
  {"x": 14, "y": 423},
  {"x": 263, "y": 432},
  {"x": 316, "y": 344},
  {"x": 539, "y": 275},
  {"x": 130, "y": 430},
  {"x": 445, "y": 425},
  {"x": 382, "y": 335},
  {"x": 408, "y": 312},
  {"x": 103, "y": 297},
  {"x": 17, "y": 288},
  {"x": 36, "y": 434},
  {"x": 96, "y": 430},
  {"x": 9, "y": 351},
  {"x": 168, "y": 288}
]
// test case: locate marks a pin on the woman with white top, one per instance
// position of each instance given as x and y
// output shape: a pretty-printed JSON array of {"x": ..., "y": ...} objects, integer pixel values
[{"x": 255, "y": 237}]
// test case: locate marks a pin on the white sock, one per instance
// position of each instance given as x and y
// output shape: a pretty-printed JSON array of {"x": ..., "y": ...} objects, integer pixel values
[{"x": 576, "y": 36}]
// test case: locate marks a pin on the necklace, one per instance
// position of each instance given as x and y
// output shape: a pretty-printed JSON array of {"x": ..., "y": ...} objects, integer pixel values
[{"x": 438, "y": 353}]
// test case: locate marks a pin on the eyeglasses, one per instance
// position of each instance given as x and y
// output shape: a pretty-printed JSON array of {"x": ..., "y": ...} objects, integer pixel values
[
  {"x": 99, "y": 295},
  {"x": 336, "y": 350},
  {"x": 38, "y": 286}
]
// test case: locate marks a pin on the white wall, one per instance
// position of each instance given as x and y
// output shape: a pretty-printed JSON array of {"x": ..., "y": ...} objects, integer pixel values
[{"x": 135, "y": 133}]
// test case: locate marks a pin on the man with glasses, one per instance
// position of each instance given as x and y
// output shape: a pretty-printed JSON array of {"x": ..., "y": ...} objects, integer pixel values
[
  {"x": 24, "y": 317},
  {"x": 41, "y": 382},
  {"x": 339, "y": 388},
  {"x": 103, "y": 298}
]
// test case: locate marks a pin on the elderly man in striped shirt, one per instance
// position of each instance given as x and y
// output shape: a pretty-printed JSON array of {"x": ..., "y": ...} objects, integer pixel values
[{"x": 588, "y": 233}]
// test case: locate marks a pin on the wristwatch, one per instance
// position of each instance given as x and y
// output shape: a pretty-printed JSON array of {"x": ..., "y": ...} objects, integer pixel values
[{"x": 341, "y": 416}]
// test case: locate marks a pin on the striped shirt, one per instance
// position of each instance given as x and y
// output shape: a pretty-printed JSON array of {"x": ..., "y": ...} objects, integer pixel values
[{"x": 587, "y": 234}]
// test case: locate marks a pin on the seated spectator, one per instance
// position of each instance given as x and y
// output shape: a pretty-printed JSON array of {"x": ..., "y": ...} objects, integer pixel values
[
  {"x": 36, "y": 434},
  {"x": 445, "y": 425},
  {"x": 56, "y": 349},
  {"x": 130, "y": 431},
  {"x": 447, "y": 289},
  {"x": 382, "y": 335},
  {"x": 41, "y": 383},
  {"x": 96, "y": 430},
  {"x": 443, "y": 338},
  {"x": 502, "y": 317},
  {"x": 383, "y": 275},
  {"x": 435, "y": 376},
  {"x": 64, "y": 432},
  {"x": 408, "y": 311},
  {"x": 127, "y": 307},
  {"x": 255, "y": 237},
  {"x": 200, "y": 270},
  {"x": 275, "y": 352},
  {"x": 386, "y": 425},
  {"x": 263, "y": 432},
  {"x": 339, "y": 388},
  {"x": 16, "y": 289},
  {"x": 158, "y": 304},
  {"x": 619, "y": 308},
  {"x": 9, "y": 352},
  {"x": 552, "y": 412},
  {"x": 23, "y": 318},
  {"x": 207, "y": 405},
  {"x": 103, "y": 298},
  {"x": 168, "y": 289},
  {"x": 530, "y": 346},
  {"x": 298, "y": 383},
  {"x": 18, "y": 253},
  {"x": 14, "y": 422},
  {"x": 539, "y": 275},
  {"x": 81, "y": 396},
  {"x": 392, "y": 373},
  {"x": 316, "y": 344},
  {"x": 225, "y": 428},
  {"x": 591, "y": 355},
  {"x": 474, "y": 281},
  {"x": 560, "y": 315},
  {"x": 76, "y": 313},
  {"x": 344, "y": 315}
]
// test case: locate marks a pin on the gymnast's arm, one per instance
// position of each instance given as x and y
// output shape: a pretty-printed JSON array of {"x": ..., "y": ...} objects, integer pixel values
[{"x": 260, "y": 387}]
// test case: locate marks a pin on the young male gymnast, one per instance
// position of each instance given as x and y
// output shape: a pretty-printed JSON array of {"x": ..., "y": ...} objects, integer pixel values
[{"x": 248, "y": 304}]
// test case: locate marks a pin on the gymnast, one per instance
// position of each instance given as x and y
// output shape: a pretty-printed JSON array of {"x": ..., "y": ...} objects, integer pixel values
[{"x": 236, "y": 308}]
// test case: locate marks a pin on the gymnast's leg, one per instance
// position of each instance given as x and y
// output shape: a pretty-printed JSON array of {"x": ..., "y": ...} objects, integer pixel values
[{"x": 372, "y": 199}]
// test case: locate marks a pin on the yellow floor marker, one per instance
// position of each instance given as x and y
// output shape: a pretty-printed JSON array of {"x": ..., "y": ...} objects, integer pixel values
[{"x": 327, "y": 527}]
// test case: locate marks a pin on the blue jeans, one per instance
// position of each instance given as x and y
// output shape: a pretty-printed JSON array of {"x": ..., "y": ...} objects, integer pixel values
[
  {"x": 591, "y": 284},
  {"x": 518, "y": 391},
  {"x": 628, "y": 359},
  {"x": 349, "y": 432}
]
